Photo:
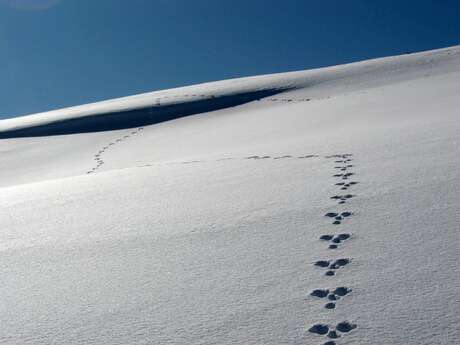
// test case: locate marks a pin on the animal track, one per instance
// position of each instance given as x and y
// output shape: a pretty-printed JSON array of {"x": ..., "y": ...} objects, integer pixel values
[
  {"x": 307, "y": 156},
  {"x": 332, "y": 295},
  {"x": 289, "y": 100},
  {"x": 253, "y": 157},
  {"x": 342, "y": 198},
  {"x": 345, "y": 185},
  {"x": 343, "y": 168},
  {"x": 330, "y": 332},
  {"x": 319, "y": 293},
  {"x": 282, "y": 157},
  {"x": 338, "y": 217},
  {"x": 342, "y": 291},
  {"x": 345, "y": 327},
  {"x": 343, "y": 156},
  {"x": 344, "y": 176},
  {"x": 335, "y": 239},
  {"x": 319, "y": 328},
  {"x": 339, "y": 263},
  {"x": 99, "y": 161},
  {"x": 332, "y": 265},
  {"x": 332, "y": 335},
  {"x": 322, "y": 263},
  {"x": 330, "y": 305},
  {"x": 98, "y": 155},
  {"x": 257, "y": 157}
]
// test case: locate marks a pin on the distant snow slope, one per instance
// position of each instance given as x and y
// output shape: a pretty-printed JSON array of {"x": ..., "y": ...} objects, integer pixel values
[{"x": 206, "y": 229}]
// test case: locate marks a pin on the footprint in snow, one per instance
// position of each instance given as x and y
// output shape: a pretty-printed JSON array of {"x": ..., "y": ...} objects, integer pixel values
[
  {"x": 341, "y": 156},
  {"x": 191, "y": 162},
  {"x": 332, "y": 295},
  {"x": 344, "y": 176},
  {"x": 332, "y": 332},
  {"x": 342, "y": 198},
  {"x": 335, "y": 240},
  {"x": 332, "y": 265},
  {"x": 307, "y": 156},
  {"x": 257, "y": 157},
  {"x": 345, "y": 185},
  {"x": 338, "y": 217}
]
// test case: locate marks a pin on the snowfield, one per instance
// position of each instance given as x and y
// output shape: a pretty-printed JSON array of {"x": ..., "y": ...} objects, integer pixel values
[{"x": 312, "y": 207}]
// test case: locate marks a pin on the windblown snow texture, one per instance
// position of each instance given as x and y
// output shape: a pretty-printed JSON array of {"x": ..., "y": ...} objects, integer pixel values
[{"x": 312, "y": 207}]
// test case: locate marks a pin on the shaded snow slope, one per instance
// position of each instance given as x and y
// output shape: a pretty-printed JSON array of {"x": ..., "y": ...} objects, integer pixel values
[{"x": 206, "y": 229}]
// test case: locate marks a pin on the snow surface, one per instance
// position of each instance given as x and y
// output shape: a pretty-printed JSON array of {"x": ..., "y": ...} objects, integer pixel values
[{"x": 205, "y": 229}]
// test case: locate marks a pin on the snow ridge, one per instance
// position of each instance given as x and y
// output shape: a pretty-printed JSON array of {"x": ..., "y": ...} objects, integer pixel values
[{"x": 155, "y": 107}]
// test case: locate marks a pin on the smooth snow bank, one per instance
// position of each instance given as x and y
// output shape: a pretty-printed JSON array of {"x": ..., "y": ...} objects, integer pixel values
[
  {"x": 206, "y": 229},
  {"x": 154, "y": 107}
]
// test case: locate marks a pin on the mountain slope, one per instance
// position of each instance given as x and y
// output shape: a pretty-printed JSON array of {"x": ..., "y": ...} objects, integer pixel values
[{"x": 206, "y": 229}]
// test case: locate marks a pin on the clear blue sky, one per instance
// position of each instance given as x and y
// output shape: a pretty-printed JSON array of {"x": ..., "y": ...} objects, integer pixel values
[{"x": 57, "y": 53}]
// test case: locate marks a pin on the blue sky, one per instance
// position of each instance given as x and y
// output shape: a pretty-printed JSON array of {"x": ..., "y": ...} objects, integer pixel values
[{"x": 58, "y": 53}]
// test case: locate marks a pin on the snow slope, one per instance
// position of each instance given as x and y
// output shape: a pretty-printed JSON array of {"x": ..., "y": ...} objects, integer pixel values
[{"x": 205, "y": 229}]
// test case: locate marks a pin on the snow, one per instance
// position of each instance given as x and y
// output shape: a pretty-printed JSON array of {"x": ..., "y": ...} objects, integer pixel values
[{"x": 183, "y": 236}]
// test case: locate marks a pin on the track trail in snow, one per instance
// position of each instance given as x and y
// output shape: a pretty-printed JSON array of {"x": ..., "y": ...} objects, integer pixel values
[
  {"x": 336, "y": 240},
  {"x": 343, "y": 163},
  {"x": 253, "y": 157},
  {"x": 131, "y": 132},
  {"x": 98, "y": 156},
  {"x": 100, "y": 162}
]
